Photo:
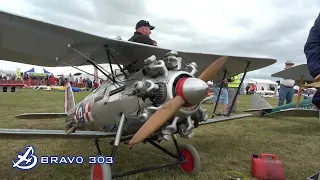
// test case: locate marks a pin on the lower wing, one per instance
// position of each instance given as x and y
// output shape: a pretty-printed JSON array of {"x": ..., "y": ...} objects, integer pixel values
[
  {"x": 223, "y": 119},
  {"x": 22, "y": 134}
]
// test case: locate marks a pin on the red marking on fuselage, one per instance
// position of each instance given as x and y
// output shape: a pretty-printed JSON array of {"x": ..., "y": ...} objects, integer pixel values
[
  {"x": 89, "y": 111},
  {"x": 179, "y": 91}
]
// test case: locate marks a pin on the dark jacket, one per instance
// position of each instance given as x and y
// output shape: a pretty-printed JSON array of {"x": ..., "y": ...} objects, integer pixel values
[
  {"x": 312, "y": 49},
  {"x": 140, "y": 38}
]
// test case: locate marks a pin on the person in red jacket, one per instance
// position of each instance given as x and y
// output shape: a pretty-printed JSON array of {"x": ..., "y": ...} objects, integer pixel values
[{"x": 52, "y": 80}]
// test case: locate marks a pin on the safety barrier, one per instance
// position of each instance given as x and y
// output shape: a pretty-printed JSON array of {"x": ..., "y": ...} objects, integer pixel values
[{"x": 10, "y": 85}]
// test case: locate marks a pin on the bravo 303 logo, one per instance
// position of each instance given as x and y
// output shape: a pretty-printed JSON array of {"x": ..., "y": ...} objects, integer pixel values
[{"x": 27, "y": 159}]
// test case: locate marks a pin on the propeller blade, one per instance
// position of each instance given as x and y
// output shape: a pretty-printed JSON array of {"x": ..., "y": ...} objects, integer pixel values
[
  {"x": 209, "y": 73},
  {"x": 159, "y": 118}
]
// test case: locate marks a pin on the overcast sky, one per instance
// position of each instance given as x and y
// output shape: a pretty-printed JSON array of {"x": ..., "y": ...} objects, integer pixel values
[{"x": 263, "y": 28}]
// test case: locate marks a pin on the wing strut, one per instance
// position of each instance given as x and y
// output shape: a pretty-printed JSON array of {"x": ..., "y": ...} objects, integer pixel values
[
  {"x": 93, "y": 64},
  {"x": 299, "y": 93},
  {"x": 109, "y": 59},
  {"x": 78, "y": 68},
  {"x": 240, "y": 85}
]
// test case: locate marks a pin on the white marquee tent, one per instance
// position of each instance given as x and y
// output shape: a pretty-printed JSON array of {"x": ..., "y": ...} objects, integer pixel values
[{"x": 265, "y": 83}]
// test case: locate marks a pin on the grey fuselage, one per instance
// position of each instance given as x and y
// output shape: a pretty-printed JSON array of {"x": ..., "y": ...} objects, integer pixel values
[{"x": 142, "y": 95}]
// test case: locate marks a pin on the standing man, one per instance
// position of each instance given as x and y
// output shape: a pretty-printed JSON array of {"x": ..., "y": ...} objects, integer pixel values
[
  {"x": 233, "y": 85},
  {"x": 312, "y": 52},
  {"x": 142, "y": 33},
  {"x": 70, "y": 79},
  {"x": 286, "y": 87}
]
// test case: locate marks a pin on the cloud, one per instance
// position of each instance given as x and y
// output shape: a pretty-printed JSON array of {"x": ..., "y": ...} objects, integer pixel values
[{"x": 275, "y": 29}]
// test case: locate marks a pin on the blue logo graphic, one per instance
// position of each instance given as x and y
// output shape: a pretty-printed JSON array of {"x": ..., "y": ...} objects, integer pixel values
[{"x": 26, "y": 160}]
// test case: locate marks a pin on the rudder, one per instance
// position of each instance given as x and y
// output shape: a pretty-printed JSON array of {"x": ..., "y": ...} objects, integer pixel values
[
  {"x": 69, "y": 102},
  {"x": 258, "y": 102}
]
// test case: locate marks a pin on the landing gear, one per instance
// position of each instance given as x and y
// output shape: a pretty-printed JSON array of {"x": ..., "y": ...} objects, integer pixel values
[
  {"x": 262, "y": 113},
  {"x": 186, "y": 156},
  {"x": 101, "y": 172},
  {"x": 191, "y": 155},
  {"x": 70, "y": 125}
]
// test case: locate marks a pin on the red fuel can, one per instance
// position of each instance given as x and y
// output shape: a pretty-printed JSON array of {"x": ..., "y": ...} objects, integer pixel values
[{"x": 267, "y": 167}]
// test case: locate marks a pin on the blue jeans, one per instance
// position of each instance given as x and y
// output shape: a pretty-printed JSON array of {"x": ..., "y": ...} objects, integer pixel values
[
  {"x": 285, "y": 93},
  {"x": 223, "y": 96}
]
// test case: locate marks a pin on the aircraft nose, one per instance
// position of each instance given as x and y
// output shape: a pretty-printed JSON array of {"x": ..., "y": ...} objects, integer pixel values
[{"x": 192, "y": 90}]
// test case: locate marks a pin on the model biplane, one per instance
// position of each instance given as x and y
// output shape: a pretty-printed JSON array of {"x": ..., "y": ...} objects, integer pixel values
[
  {"x": 156, "y": 96},
  {"x": 300, "y": 108}
]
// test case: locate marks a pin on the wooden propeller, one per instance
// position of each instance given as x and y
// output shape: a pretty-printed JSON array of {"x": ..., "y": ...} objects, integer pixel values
[
  {"x": 209, "y": 73},
  {"x": 162, "y": 115}
]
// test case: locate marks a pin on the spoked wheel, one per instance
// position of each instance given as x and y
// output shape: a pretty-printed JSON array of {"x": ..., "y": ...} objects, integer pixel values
[
  {"x": 190, "y": 154},
  {"x": 100, "y": 172}
]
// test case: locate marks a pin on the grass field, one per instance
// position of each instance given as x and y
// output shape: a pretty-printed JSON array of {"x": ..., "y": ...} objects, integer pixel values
[{"x": 223, "y": 147}]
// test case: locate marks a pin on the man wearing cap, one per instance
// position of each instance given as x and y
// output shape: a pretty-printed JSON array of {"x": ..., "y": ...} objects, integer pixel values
[
  {"x": 286, "y": 87},
  {"x": 312, "y": 52},
  {"x": 142, "y": 33}
]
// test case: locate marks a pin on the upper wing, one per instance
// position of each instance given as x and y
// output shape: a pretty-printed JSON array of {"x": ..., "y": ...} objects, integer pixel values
[
  {"x": 234, "y": 65},
  {"x": 45, "y": 134},
  {"x": 34, "y": 42},
  {"x": 295, "y": 73}
]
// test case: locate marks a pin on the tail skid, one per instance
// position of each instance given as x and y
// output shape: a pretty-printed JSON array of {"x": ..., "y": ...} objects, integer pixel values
[{"x": 258, "y": 103}]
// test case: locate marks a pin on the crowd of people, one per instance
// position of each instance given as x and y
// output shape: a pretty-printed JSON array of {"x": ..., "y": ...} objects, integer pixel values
[
  {"x": 75, "y": 82},
  {"x": 7, "y": 77},
  {"x": 251, "y": 88},
  {"x": 49, "y": 80}
]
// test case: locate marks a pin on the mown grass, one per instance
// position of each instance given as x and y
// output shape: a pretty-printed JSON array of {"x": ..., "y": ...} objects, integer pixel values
[{"x": 223, "y": 147}]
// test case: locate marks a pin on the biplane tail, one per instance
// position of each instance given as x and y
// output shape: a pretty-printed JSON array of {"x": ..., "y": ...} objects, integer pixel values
[
  {"x": 258, "y": 103},
  {"x": 69, "y": 102}
]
